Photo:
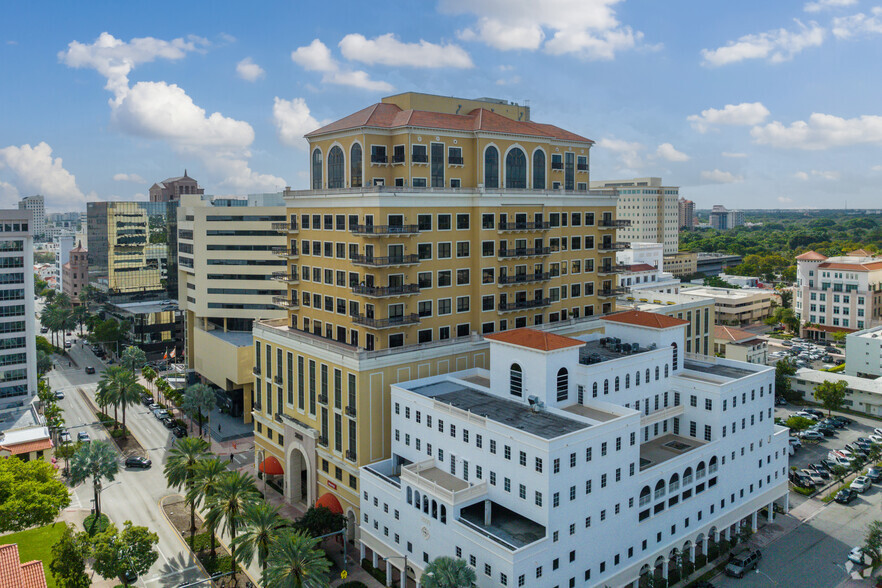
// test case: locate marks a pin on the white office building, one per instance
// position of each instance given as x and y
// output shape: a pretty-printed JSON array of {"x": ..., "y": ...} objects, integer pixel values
[
  {"x": 18, "y": 356},
  {"x": 63, "y": 244},
  {"x": 642, "y": 267},
  {"x": 37, "y": 206},
  {"x": 588, "y": 461}
]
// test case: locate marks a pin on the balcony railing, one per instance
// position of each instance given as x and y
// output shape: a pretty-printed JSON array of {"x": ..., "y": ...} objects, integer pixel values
[
  {"x": 385, "y": 261},
  {"x": 386, "y": 323},
  {"x": 285, "y": 302},
  {"x": 398, "y": 158},
  {"x": 350, "y": 455},
  {"x": 523, "y": 278},
  {"x": 524, "y": 252},
  {"x": 582, "y": 166},
  {"x": 323, "y": 440},
  {"x": 256, "y": 370},
  {"x": 323, "y": 399},
  {"x": 285, "y": 251},
  {"x": 386, "y": 291},
  {"x": 385, "y": 230},
  {"x": 523, "y": 304},
  {"x": 419, "y": 158},
  {"x": 614, "y": 223},
  {"x": 379, "y": 159},
  {"x": 455, "y": 160},
  {"x": 556, "y": 165},
  {"x": 286, "y": 277},
  {"x": 286, "y": 227},
  {"x": 277, "y": 379},
  {"x": 524, "y": 226},
  {"x": 607, "y": 292},
  {"x": 350, "y": 411},
  {"x": 611, "y": 246},
  {"x": 611, "y": 269}
]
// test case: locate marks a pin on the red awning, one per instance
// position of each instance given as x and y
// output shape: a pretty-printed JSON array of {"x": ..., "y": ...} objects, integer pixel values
[
  {"x": 271, "y": 466},
  {"x": 330, "y": 502}
]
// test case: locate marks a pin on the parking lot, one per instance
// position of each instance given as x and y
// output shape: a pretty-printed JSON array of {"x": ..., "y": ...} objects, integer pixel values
[{"x": 778, "y": 351}]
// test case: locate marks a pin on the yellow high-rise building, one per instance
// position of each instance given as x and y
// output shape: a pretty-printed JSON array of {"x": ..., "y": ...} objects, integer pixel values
[{"x": 431, "y": 221}]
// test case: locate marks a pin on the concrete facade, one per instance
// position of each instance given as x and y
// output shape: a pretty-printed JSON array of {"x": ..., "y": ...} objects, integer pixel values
[
  {"x": 738, "y": 307},
  {"x": 37, "y": 206},
  {"x": 732, "y": 343},
  {"x": 651, "y": 208}
]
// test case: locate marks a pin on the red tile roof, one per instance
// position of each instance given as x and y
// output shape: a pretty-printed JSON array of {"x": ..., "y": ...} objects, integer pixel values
[
  {"x": 22, "y": 448},
  {"x": 533, "y": 339},
  {"x": 14, "y": 574},
  {"x": 811, "y": 256},
  {"x": 645, "y": 319},
  {"x": 853, "y": 267},
  {"x": 829, "y": 329},
  {"x": 390, "y": 116},
  {"x": 733, "y": 334},
  {"x": 640, "y": 267},
  {"x": 859, "y": 253}
]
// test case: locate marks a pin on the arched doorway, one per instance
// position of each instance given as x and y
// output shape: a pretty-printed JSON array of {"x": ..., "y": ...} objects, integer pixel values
[
  {"x": 351, "y": 523},
  {"x": 299, "y": 485}
]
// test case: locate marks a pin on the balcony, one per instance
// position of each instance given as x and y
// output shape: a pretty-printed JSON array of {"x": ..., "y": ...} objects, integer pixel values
[
  {"x": 523, "y": 304},
  {"x": 524, "y": 252},
  {"x": 386, "y": 323},
  {"x": 379, "y": 160},
  {"x": 613, "y": 223},
  {"x": 611, "y": 269},
  {"x": 285, "y": 251},
  {"x": 323, "y": 440},
  {"x": 385, "y": 230},
  {"x": 386, "y": 291},
  {"x": 608, "y": 246},
  {"x": 350, "y": 411},
  {"x": 371, "y": 261},
  {"x": 557, "y": 165},
  {"x": 523, "y": 278},
  {"x": 284, "y": 302},
  {"x": 524, "y": 226},
  {"x": 286, "y": 277},
  {"x": 278, "y": 380},
  {"x": 256, "y": 370},
  {"x": 350, "y": 455},
  {"x": 286, "y": 227},
  {"x": 583, "y": 167},
  {"x": 397, "y": 159},
  {"x": 323, "y": 399},
  {"x": 455, "y": 161},
  {"x": 419, "y": 158},
  {"x": 609, "y": 292},
  {"x": 432, "y": 480}
]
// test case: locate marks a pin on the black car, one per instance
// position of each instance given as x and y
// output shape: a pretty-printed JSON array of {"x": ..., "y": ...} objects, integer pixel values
[
  {"x": 138, "y": 462},
  {"x": 814, "y": 411},
  {"x": 179, "y": 431},
  {"x": 59, "y": 395},
  {"x": 825, "y": 430},
  {"x": 44, "y": 329},
  {"x": 844, "y": 420},
  {"x": 90, "y": 369},
  {"x": 801, "y": 480},
  {"x": 845, "y": 496},
  {"x": 146, "y": 400},
  {"x": 827, "y": 464},
  {"x": 169, "y": 422},
  {"x": 875, "y": 474}
]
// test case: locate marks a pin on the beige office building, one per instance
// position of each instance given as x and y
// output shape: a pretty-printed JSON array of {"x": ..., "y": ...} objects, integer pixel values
[
  {"x": 652, "y": 209},
  {"x": 683, "y": 263},
  {"x": 740, "y": 345},
  {"x": 737, "y": 307}
]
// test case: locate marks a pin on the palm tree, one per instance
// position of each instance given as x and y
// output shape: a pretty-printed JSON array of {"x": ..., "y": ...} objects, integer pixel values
[
  {"x": 96, "y": 460},
  {"x": 296, "y": 562},
  {"x": 133, "y": 358},
  {"x": 106, "y": 393},
  {"x": 50, "y": 318},
  {"x": 179, "y": 469},
  {"x": 446, "y": 572},
  {"x": 127, "y": 389},
  {"x": 149, "y": 375},
  {"x": 262, "y": 526},
  {"x": 81, "y": 313},
  {"x": 234, "y": 492},
  {"x": 207, "y": 473},
  {"x": 61, "y": 300},
  {"x": 199, "y": 400},
  {"x": 67, "y": 321}
]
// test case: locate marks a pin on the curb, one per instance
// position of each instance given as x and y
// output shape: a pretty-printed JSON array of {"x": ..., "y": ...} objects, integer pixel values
[
  {"x": 180, "y": 535},
  {"x": 94, "y": 410}
]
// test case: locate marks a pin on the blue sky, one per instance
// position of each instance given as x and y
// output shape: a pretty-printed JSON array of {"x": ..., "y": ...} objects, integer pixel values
[{"x": 750, "y": 104}]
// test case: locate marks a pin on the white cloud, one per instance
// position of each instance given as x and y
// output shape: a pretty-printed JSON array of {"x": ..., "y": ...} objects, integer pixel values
[
  {"x": 735, "y": 155},
  {"x": 822, "y": 131},
  {"x": 249, "y": 71},
  {"x": 35, "y": 171},
  {"x": 115, "y": 59},
  {"x": 746, "y": 113},
  {"x": 627, "y": 151},
  {"x": 876, "y": 168},
  {"x": 667, "y": 151},
  {"x": 387, "y": 50},
  {"x": 824, "y": 175},
  {"x": 776, "y": 46},
  {"x": 721, "y": 177},
  {"x": 784, "y": 200},
  {"x": 8, "y": 195},
  {"x": 585, "y": 28},
  {"x": 293, "y": 120},
  {"x": 317, "y": 57},
  {"x": 129, "y": 178},
  {"x": 509, "y": 81},
  {"x": 820, "y": 5},
  {"x": 857, "y": 24}
]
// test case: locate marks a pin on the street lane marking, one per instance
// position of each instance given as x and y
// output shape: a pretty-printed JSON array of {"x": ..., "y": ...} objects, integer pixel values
[{"x": 170, "y": 574}]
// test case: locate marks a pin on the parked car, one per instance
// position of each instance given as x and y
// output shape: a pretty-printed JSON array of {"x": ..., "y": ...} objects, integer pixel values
[
  {"x": 138, "y": 462},
  {"x": 814, "y": 411},
  {"x": 861, "y": 484},
  {"x": 820, "y": 470},
  {"x": 64, "y": 436},
  {"x": 875, "y": 474},
  {"x": 811, "y": 435},
  {"x": 801, "y": 480},
  {"x": 780, "y": 401},
  {"x": 812, "y": 475},
  {"x": 839, "y": 459},
  {"x": 743, "y": 562},
  {"x": 44, "y": 329},
  {"x": 839, "y": 361},
  {"x": 59, "y": 395},
  {"x": 128, "y": 577},
  {"x": 795, "y": 442},
  {"x": 160, "y": 413},
  {"x": 84, "y": 437},
  {"x": 153, "y": 407},
  {"x": 179, "y": 431},
  {"x": 856, "y": 449},
  {"x": 807, "y": 415},
  {"x": 827, "y": 464},
  {"x": 875, "y": 439},
  {"x": 146, "y": 400},
  {"x": 786, "y": 343},
  {"x": 824, "y": 430},
  {"x": 856, "y": 555},
  {"x": 845, "y": 496},
  {"x": 168, "y": 422}
]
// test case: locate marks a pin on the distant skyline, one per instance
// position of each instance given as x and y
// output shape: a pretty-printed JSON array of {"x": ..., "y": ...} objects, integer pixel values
[{"x": 747, "y": 104}]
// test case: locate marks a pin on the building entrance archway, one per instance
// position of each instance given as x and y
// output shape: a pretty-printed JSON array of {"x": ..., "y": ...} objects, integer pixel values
[{"x": 301, "y": 477}]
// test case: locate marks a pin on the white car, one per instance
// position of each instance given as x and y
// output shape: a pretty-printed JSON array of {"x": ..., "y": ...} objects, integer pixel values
[
  {"x": 812, "y": 435},
  {"x": 856, "y": 555},
  {"x": 876, "y": 439},
  {"x": 878, "y": 431},
  {"x": 807, "y": 415},
  {"x": 813, "y": 475},
  {"x": 861, "y": 484},
  {"x": 795, "y": 442}
]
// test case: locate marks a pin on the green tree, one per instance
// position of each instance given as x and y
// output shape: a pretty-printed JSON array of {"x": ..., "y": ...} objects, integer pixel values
[
  {"x": 44, "y": 345},
  {"x": 133, "y": 358},
  {"x": 226, "y": 505},
  {"x": 296, "y": 562},
  {"x": 831, "y": 394},
  {"x": 873, "y": 540},
  {"x": 319, "y": 520},
  {"x": 199, "y": 400},
  {"x": 207, "y": 474},
  {"x": 786, "y": 298},
  {"x": 839, "y": 336},
  {"x": 783, "y": 369},
  {"x": 95, "y": 460},
  {"x": 81, "y": 315},
  {"x": 69, "y": 556},
  {"x": 718, "y": 282},
  {"x": 44, "y": 363},
  {"x": 51, "y": 318},
  {"x": 131, "y": 550},
  {"x": 30, "y": 495},
  {"x": 262, "y": 526},
  {"x": 149, "y": 374},
  {"x": 65, "y": 451},
  {"x": 447, "y": 572},
  {"x": 122, "y": 388},
  {"x": 180, "y": 469},
  {"x": 798, "y": 423}
]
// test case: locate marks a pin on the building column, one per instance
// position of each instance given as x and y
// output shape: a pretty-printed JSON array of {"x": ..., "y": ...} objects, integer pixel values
[
  {"x": 373, "y": 558},
  {"x": 771, "y": 511},
  {"x": 753, "y": 520},
  {"x": 786, "y": 503},
  {"x": 725, "y": 533},
  {"x": 388, "y": 573},
  {"x": 360, "y": 552},
  {"x": 665, "y": 570},
  {"x": 418, "y": 585},
  {"x": 692, "y": 553}
]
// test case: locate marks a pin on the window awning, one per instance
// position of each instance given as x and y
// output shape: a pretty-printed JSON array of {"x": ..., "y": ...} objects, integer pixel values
[{"x": 271, "y": 467}]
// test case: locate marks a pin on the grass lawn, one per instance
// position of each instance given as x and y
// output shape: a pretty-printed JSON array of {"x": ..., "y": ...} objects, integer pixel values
[{"x": 37, "y": 544}]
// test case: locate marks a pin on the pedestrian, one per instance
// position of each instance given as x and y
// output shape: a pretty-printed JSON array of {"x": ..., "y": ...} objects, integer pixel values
[
  {"x": 231, "y": 457},
  {"x": 218, "y": 427}
]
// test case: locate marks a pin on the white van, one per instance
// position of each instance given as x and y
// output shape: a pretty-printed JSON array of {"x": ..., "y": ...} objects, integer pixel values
[{"x": 838, "y": 459}]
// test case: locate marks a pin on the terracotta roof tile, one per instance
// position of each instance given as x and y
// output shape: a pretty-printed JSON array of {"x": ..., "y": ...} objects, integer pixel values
[
  {"x": 640, "y": 267},
  {"x": 811, "y": 256},
  {"x": 22, "y": 448},
  {"x": 10, "y": 567},
  {"x": 853, "y": 267},
  {"x": 33, "y": 575},
  {"x": 533, "y": 339},
  {"x": 859, "y": 253},
  {"x": 733, "y": 334},
  {"x": 830, "y": 329},
  {"x": 645, "y": 319}
]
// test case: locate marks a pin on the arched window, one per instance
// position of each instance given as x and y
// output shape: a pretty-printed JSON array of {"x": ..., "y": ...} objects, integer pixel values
[
  {"x": 645, "y": 496},
  {"x": 627, "y": 381},
  {"x": 563, "y": 384},
  {"x": 515, "y": 169},
  {"x": 426, "y": 504},
  {"x": 617, "y": 384},
  {"x": 355, "y": 165},
  {"x": 656, "y": 374},
  {"x": 637, "y": 379},
  {"x": 335, "y": 168},
  {"x": 699, "y": 470},
  {"x": 409, "y": 495},
  {"x": 443, "y": 514},
  {"x": 674, "y": 483},
  {"x": 491, "y": 167},
  {"x": 434, "y": 509},
  {"x": 687, "y": 476},
  {"x": 594, "y": 390},
  {"x": 416, "y": 500},
  {"x": 666, "y": 370},
  {"x": 516, "y": 380},
  {"x": 317, "y": 169},
  {"x": 712, "y": 465},
  {"x": 606, "y": 386},
  {"x": 647, "y": 375},
  {"x": 660, "y": 489},
  {"x": 676, "y": 363},
  {"x": 538, "y": 170}
]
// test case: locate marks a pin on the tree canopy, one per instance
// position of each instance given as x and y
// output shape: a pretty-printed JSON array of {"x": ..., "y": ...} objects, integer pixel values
[
  {"x": 117, "y": 552},
  {"x": 831, "y": 394},
  {"x": 30, "y": 495}
]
